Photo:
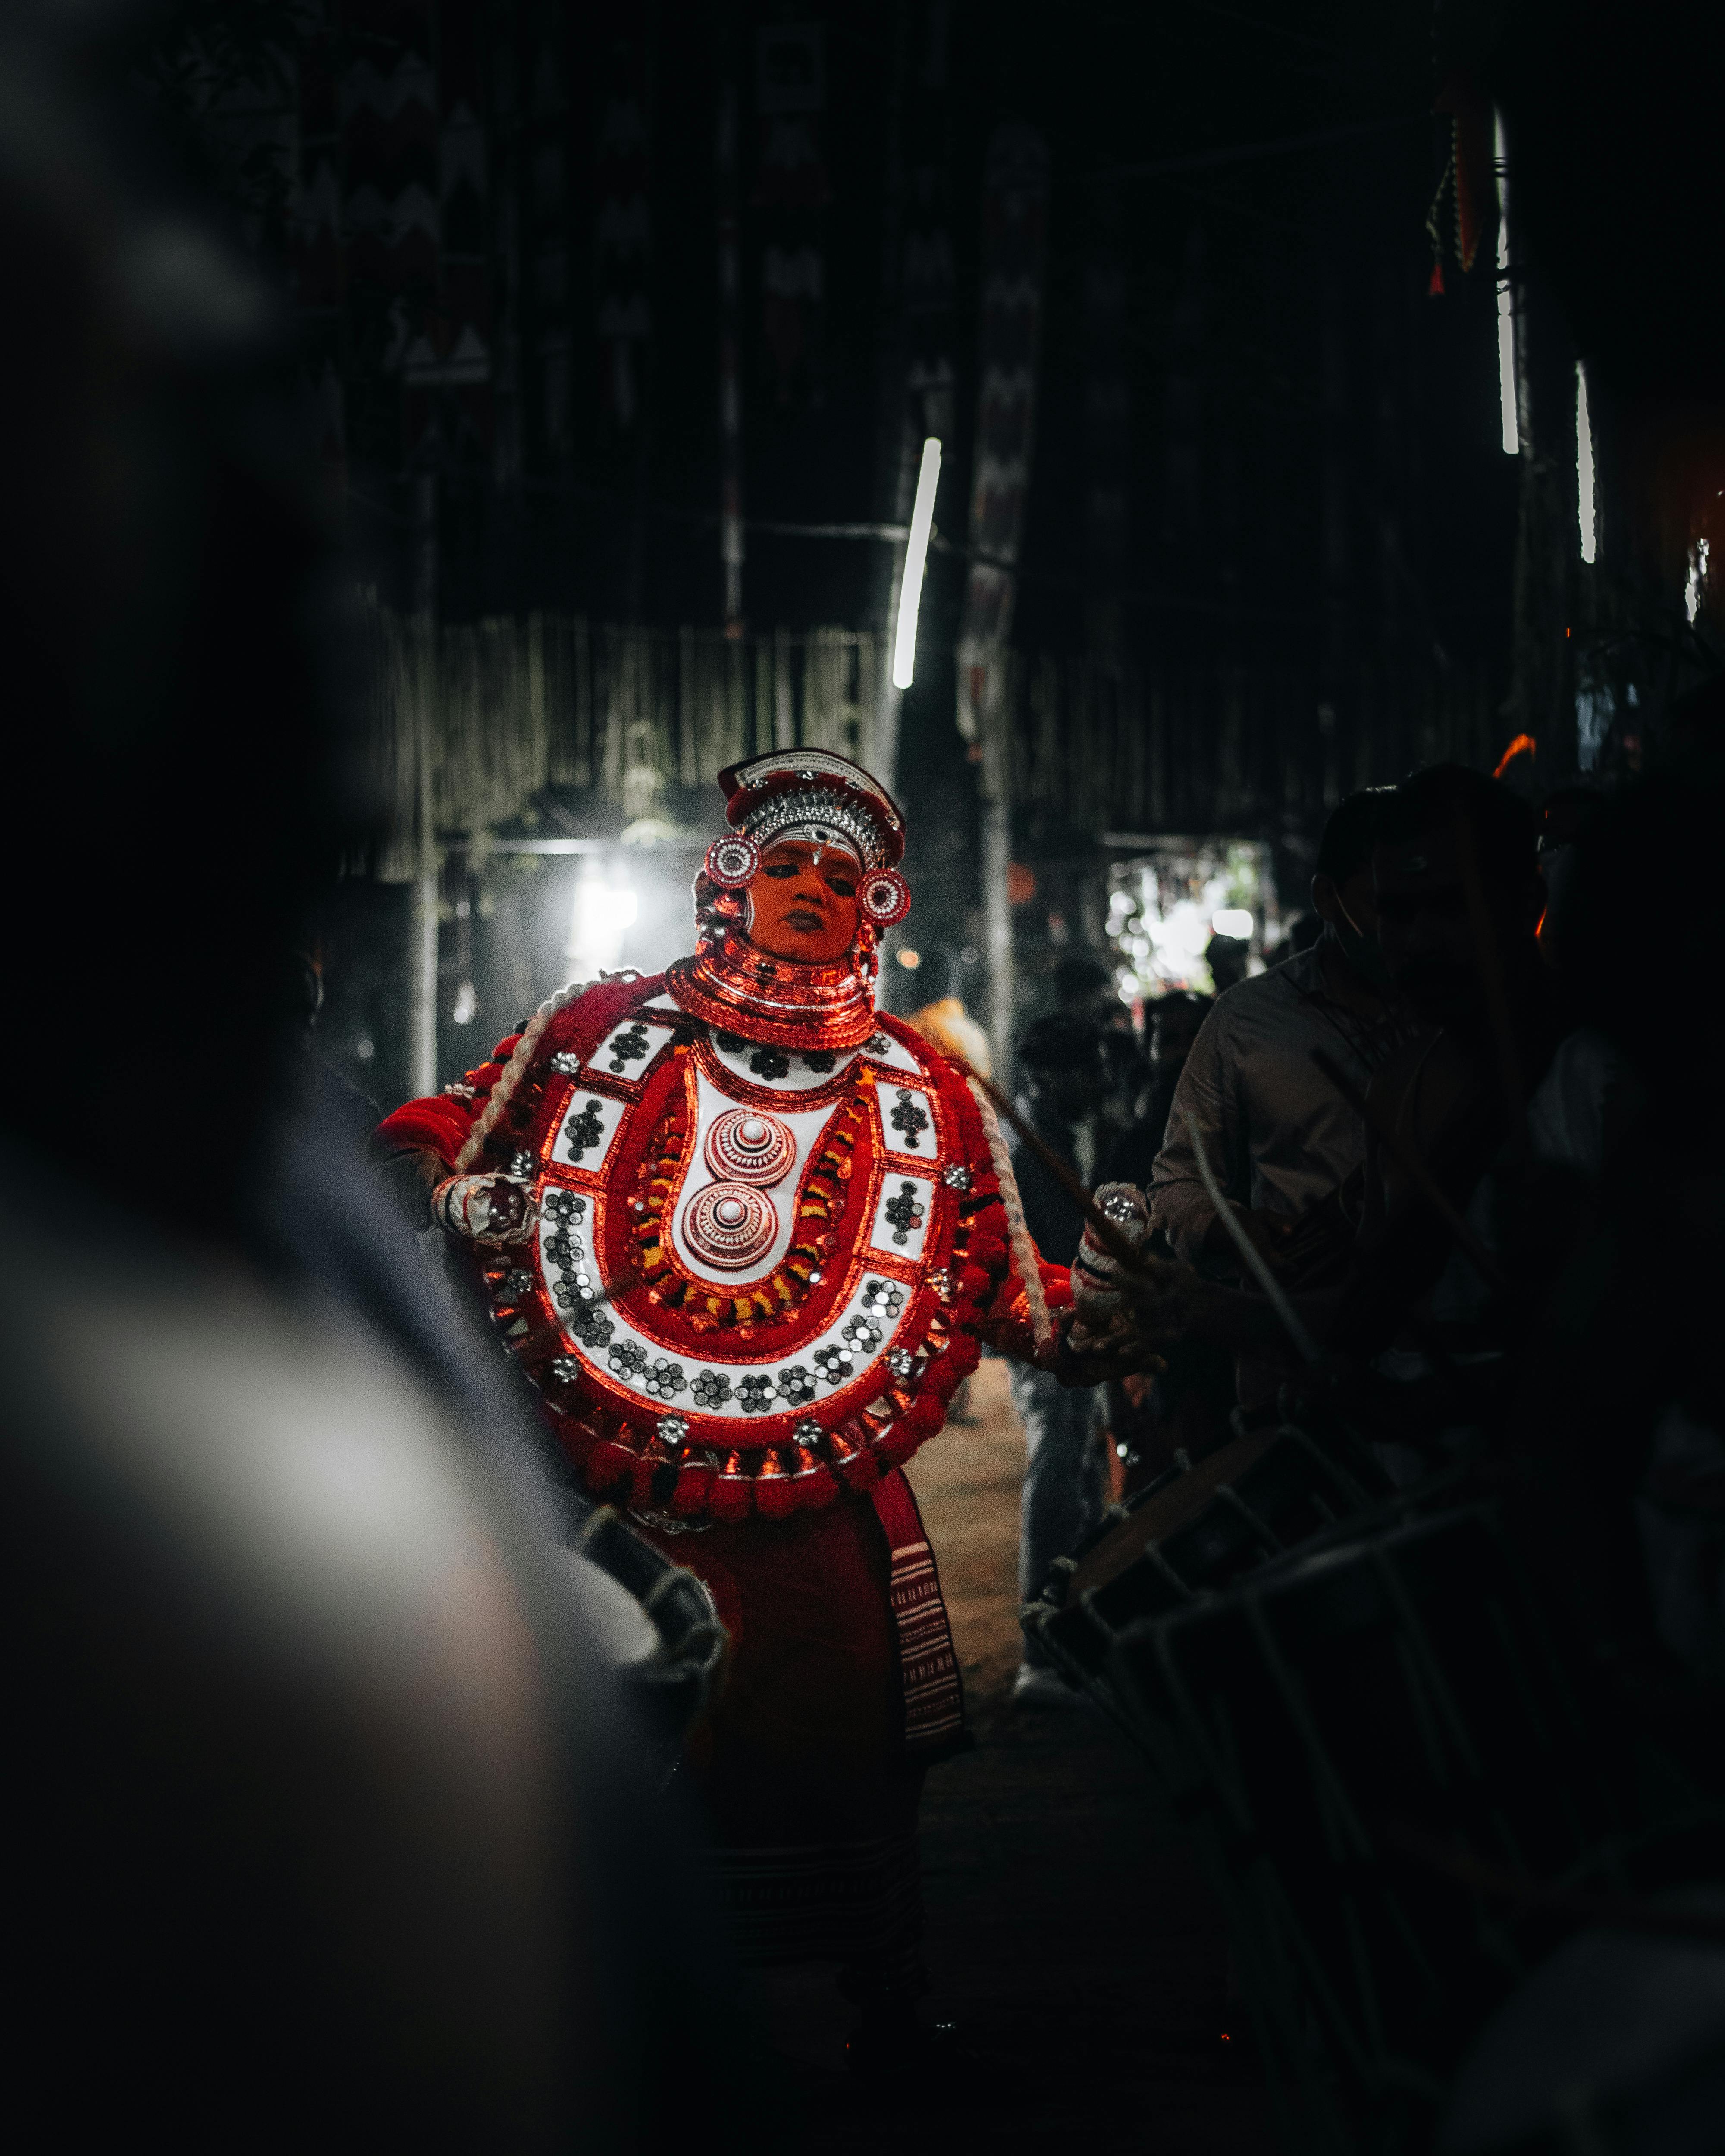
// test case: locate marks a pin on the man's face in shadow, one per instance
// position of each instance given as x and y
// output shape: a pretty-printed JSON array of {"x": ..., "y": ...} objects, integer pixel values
[
  {"x": 1076, "y": 1093},
  {"x": 1426, "y": 928}
]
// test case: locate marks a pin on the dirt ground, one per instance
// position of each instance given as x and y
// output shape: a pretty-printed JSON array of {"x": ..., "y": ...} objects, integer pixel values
[{"x": 1074, "y": 1946}]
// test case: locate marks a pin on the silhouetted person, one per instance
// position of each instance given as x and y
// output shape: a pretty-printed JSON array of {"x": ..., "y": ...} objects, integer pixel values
[
  {"x": 1065, "y": 1467},
  {"x": 1280, "y": 1140},
  {"x": 1085, "y": 989},
  {"x": 1490, "y": 1098},
  {"x": 1174, "y": 1022},
  {"x": 1227, "y": 959}
]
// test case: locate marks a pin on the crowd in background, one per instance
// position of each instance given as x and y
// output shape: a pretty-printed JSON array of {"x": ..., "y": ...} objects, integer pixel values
[{"x": 1460, "y": 1124}]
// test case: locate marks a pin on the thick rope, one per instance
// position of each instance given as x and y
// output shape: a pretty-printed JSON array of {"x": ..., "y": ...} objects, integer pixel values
[
  {"x": 1023, "y": 1251},
  {"x": 515, "y": 1070}
]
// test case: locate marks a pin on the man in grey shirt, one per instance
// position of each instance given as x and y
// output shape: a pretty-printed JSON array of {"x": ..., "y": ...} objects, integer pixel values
[{"x": 1279, "y": 1137}]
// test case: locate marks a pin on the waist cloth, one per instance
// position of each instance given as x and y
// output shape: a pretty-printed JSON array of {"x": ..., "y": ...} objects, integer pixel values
[{"x": 842, "y": 1687}]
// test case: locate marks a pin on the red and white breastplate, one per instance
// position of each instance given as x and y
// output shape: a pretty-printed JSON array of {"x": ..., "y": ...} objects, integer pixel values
[{"x": 756, "y": 1268}]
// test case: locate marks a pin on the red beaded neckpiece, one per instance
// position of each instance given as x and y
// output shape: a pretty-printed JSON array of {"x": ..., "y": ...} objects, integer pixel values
[{"x": 731, "y": 985}]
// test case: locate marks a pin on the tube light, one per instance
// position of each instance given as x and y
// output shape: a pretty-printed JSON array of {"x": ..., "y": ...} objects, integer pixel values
[
  {"x": 1586, "y": 509},
  {"x": 910, "y": 594},
  {"x": 1506, "y": 306}
]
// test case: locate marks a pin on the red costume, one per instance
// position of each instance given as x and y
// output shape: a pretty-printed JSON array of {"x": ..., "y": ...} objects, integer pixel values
[{"x": 770, "y": 1242}]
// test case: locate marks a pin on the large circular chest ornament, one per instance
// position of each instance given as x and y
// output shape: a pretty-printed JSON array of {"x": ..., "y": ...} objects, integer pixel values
[
  {"x": 730, "y": 1225},
  {"x": 744, "y": 1146}
]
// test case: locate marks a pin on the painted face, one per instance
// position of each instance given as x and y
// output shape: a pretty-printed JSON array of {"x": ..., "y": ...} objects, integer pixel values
[{"x": 803, "y": 903}]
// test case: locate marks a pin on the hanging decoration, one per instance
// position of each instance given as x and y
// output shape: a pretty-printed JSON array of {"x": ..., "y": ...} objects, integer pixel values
[
  {"x": 791, "y": 192},
  {"x": 1015, "y": 243}
]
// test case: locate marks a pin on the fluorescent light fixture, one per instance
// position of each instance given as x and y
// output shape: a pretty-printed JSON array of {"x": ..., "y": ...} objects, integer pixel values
[
  {"x": 910, "y": 592},
  {"x": 1695, "y": 583},
  {"x": 1506, "y": 306},
  {"x": 1232, "y": 921},
  {"x": 1586, "y": 507}
]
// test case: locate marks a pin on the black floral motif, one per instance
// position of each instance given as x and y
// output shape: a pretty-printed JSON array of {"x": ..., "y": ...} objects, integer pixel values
[
  {"x": 592, "y": 1328},
  {"x": 664, "y": 1378},
  {"x": 754, "y": 1392},
  {"x": 796, "y": 1388},
  {"x": 770, "y": 1063},
  {"x": 573, "y": 1291},
  {"x": 879, "y": 1295},
  {"x": 631, "y": 1045},
  {"x": 877, "y": 1043},
  {"x": 565, "y": 1207},
  {"x": 584, "y": 1129},
  {"x": 627, "y": 1357},
  {"x": 903, "y": 1213},
  {"x": 820, "y": 1060},
  {"x": 865, "y": 1334},
  {"x": 711, "y": 1390},
  {"x": 834, "y": 1364},
  {"x": 910, "y": 1118},
  {"x": 733, "y": 1043}
]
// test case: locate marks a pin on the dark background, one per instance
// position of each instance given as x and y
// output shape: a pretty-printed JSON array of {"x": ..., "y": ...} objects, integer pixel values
[{"x": 1314, "y": 566}]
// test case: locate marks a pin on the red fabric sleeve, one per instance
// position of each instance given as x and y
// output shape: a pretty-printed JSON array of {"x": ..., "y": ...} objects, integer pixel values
[
  {"x": 1005, "y": 1325},
  {"x": 439, "y": 1123}
]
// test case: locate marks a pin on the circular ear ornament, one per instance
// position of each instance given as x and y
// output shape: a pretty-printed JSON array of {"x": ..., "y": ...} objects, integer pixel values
[
  {"x": 733, "y": 862},
  {"x": 883, "y": 897}
]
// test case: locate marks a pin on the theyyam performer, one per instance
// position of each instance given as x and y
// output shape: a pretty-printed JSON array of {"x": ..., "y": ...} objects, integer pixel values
[{"x": 746, "y": 1235}]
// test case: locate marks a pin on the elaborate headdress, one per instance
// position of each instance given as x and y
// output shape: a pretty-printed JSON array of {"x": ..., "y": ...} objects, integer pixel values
[{"x": 806, "y": 793}]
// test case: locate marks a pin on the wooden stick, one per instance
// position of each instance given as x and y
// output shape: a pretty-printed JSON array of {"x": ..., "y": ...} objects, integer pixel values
[
  {"x": 1108, "y": 1234},
  {"x": 1468, "y": 1244}
]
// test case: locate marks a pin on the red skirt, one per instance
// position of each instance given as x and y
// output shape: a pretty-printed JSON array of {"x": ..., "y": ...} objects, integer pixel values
[{"x": 810, "y": 1782}]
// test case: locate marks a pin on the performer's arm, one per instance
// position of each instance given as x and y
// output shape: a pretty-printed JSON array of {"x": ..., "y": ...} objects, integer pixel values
[{"x": 417, "y": 1149}]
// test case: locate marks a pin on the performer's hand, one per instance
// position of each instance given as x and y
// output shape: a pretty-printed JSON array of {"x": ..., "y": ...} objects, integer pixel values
[
  {"x": 1118, "y": 1351},
  {"x": 1164, "y": 1302},
  {"x": 485, "y": 1208},
  {"x": 1096, "y": 1270}
]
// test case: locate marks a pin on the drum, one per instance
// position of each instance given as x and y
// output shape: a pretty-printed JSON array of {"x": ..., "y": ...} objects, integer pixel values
[
  {"x": 1195, "y": 1529},
  {"x": 1323, "y": 1725},
  {"x": 652, "y": 1624}
]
